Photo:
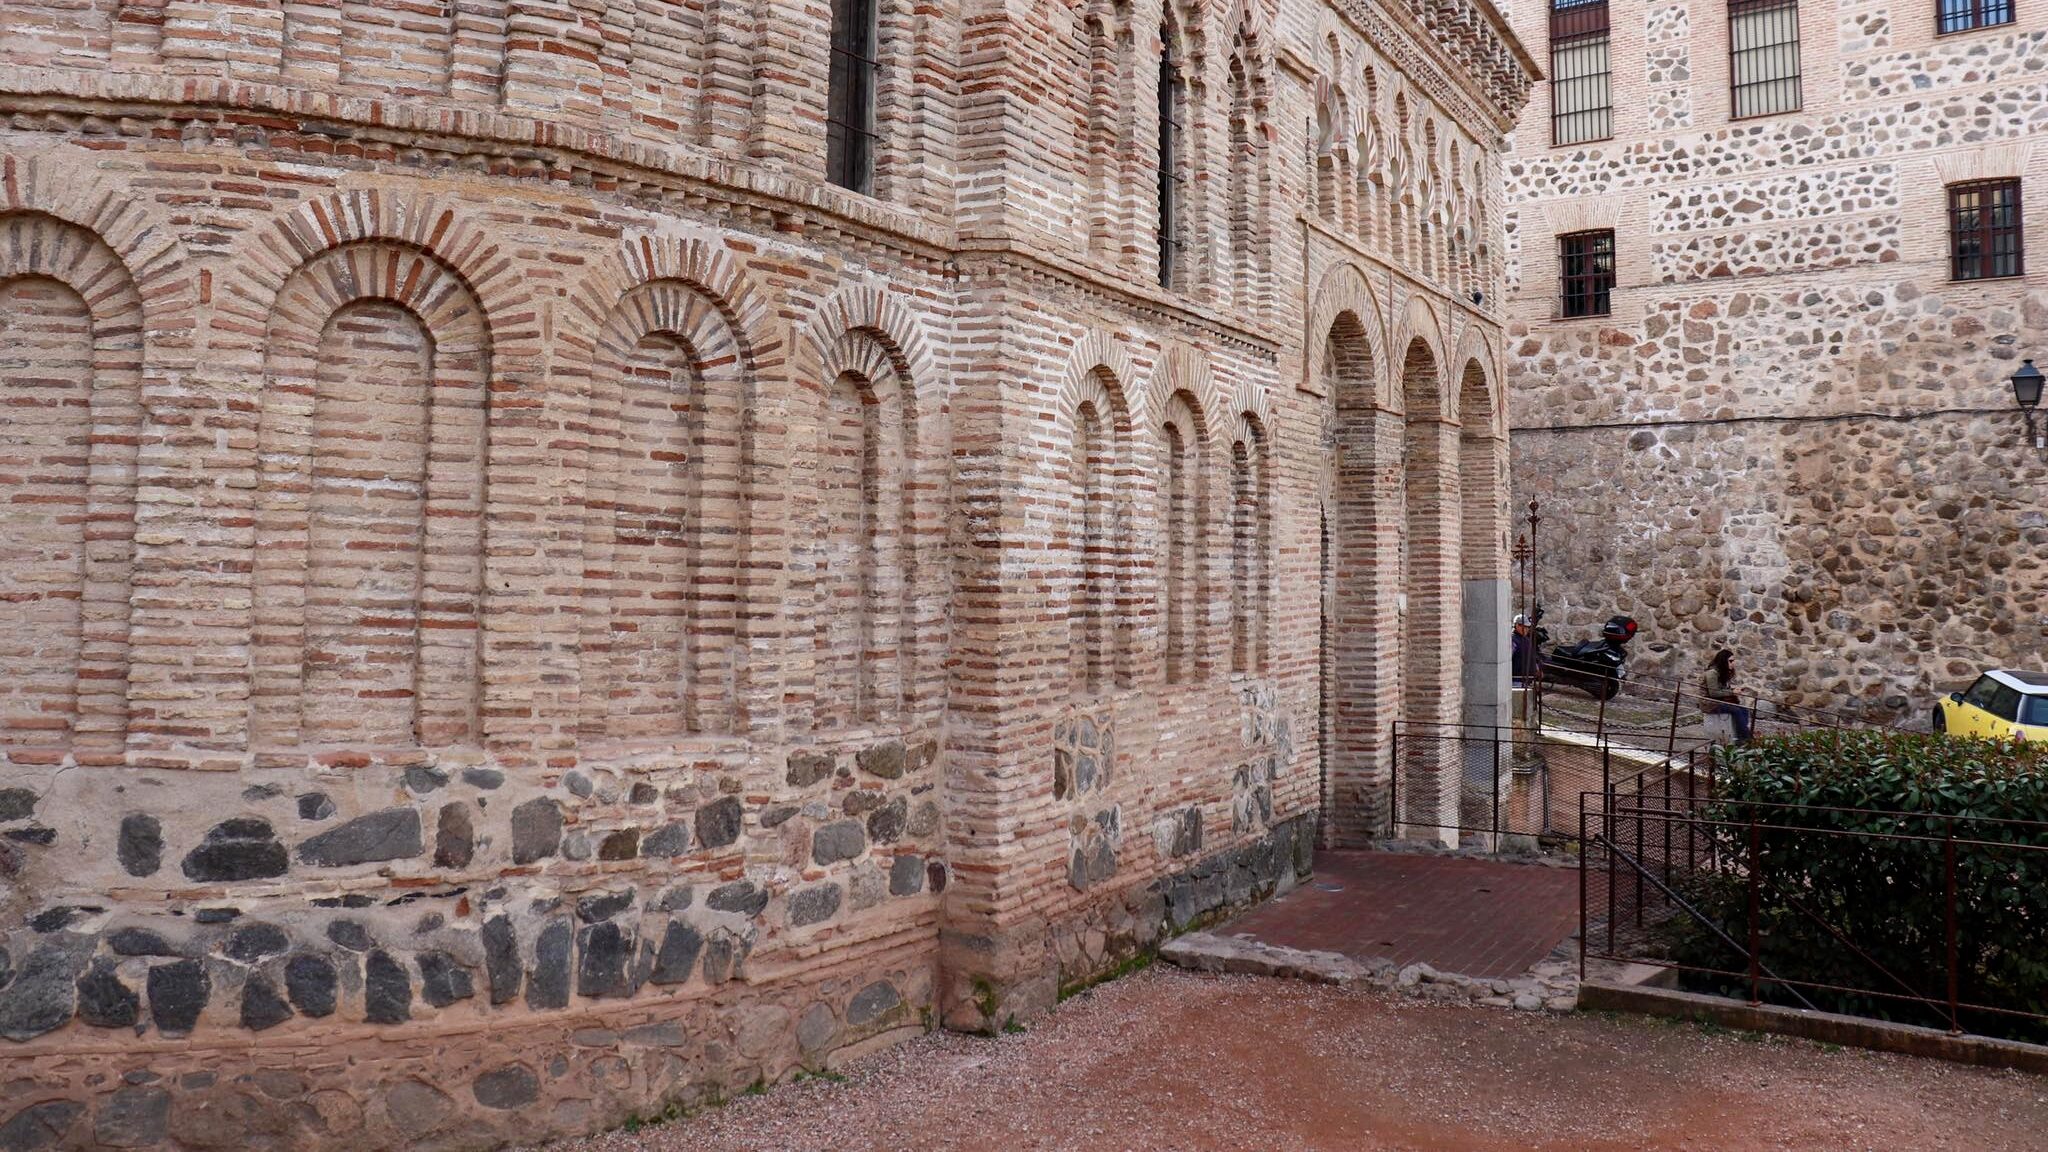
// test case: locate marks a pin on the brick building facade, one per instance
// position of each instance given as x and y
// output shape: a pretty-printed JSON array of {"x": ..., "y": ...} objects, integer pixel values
[
  {"x": 1788, "y": 428},
  {"x": 523, "y": 602}
]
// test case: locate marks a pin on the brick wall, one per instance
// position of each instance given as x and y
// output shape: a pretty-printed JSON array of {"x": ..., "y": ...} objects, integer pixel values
[{"x": 515, "y": 584}]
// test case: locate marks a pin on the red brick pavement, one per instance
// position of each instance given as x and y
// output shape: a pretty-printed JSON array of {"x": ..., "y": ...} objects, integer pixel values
[{"x": 1474, "y": 917}]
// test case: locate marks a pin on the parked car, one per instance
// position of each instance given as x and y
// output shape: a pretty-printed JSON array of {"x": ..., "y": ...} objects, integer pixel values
[{"x": 2000, "y": 704}]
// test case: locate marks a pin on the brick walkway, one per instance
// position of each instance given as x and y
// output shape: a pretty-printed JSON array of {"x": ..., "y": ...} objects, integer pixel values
[{"x": 1473, "y": 917}]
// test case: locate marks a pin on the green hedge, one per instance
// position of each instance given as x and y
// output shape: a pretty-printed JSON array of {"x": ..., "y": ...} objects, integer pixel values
[{"x": 1887, "y": 897}]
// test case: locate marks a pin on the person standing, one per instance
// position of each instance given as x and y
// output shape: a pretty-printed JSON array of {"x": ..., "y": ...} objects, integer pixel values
[
  {"x": 1522, "y": 652},
  {"x": 1718, "y": 686}
]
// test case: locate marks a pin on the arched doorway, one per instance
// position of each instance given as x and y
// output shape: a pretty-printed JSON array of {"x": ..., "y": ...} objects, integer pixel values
[
  {"x": 1431, "y": 632},
  {"x": 1484, "y": 592},
  {"x": 1358, "y": 661}
]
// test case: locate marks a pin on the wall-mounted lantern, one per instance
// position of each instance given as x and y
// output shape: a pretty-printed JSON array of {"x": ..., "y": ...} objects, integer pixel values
[{"x": 2026, "y": 392}]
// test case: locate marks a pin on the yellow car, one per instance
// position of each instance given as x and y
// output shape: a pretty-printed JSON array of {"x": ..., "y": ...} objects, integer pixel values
[{"x": 1999, "y": 705}]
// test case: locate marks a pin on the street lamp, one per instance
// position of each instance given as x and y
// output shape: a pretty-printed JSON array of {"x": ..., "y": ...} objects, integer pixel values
[{"x": 2026, "y": 392}]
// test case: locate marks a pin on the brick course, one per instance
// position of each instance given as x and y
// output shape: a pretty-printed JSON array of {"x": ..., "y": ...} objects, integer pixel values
[{"x": 515, "y": 581}]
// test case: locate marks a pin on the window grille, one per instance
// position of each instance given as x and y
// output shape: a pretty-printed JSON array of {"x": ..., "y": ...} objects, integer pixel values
[
  {"x": 1763, "y": 57},
  {"x": 1171, "y": 178},
  {"x": 1985, "y": 241},
  {"x": 1581, "y": 92},
  {"x": 1586, "y": 267},
  {"x": 850, "y": 103},
  {"x": 1963, "y": 15}
]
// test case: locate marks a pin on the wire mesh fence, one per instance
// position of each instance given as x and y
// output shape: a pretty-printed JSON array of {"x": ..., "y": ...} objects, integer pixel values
[{"x": 1920, "y": 918}]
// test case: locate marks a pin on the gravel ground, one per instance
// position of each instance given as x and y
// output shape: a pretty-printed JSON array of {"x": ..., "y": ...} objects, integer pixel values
[{"x": 1168, "y": 1059}]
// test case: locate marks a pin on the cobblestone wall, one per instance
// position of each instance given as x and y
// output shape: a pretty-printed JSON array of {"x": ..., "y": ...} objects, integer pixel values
[
  {"x": 524, "y": 606},
  {"x": 1794, "y": 436}
]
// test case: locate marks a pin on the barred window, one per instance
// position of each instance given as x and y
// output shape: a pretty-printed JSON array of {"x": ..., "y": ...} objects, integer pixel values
[
  {"x": 1172, "y": 101},
  {"x": 1984, "y": 230},
  {"x": 1581, "y": 92},
  {"x": 850, "y": 100},
  {"x": 1963, "y": 15},
  {"x": 1586, "y": 266},
  {"x": 1763, "y": 57}
]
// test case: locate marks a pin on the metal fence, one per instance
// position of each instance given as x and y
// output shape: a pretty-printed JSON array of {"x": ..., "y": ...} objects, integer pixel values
[
  {"x": 1527, "y": 782},
  {"x": 1922, "y": 918}
]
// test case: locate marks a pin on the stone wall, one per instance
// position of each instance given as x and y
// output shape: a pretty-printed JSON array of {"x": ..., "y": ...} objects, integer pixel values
[
  {"x": 524, "y": 606},
  {"x": 1794, "y": 435}
]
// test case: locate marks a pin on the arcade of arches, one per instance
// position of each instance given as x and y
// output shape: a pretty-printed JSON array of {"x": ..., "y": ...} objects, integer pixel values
[{"x": 562, "y": 563}]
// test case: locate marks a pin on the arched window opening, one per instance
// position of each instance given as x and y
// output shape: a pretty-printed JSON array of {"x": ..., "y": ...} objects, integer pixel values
[
  {"x": 1172, "y": 115},
  {"x": 1184, "y": 507},
  {"x": 1092, "y": 601},
  {"x": 1250, "y": 540},
  {"x": 1178, "y": 546},
  {"x": 850, "y": 109},
  {"x": 1243, "y": 159}
]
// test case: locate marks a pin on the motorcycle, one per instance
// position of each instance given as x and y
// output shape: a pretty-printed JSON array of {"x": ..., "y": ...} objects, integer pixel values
[{"x": 1595, "y": 667}]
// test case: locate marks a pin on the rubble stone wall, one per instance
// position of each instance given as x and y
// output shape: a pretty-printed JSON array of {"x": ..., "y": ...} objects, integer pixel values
[
  {"x": 1794, "y": 436},
  {"x": 523, "y": 606}
]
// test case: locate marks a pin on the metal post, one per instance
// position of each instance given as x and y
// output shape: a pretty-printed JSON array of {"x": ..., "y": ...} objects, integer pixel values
[
  {"x": 1666, "y": 851},
  {"x": 1394, "y": 781},
  {"x": 1671, "y": 736},
  {"x": 1755, "y": 929},
  {"x": 1607, "y": 844},
  {"x": 1607, "y": 774},
  {"x": 1496, "y": 790},
  {"x": 1955, "y": 1022},
  {"x": 1692, "y": 814},
  {"x": 1638, "y": 869},
  {"x": 1583, "y": 849}
]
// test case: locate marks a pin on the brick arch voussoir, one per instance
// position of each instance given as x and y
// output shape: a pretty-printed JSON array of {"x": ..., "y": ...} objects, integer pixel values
[
  {"x": 161, "y": 281},
  {"x": 1344, "y": 288},
  {"x": 37, "y": 243},
  {"x": 415, "y": 280},
  {"x": 1251, "y": 406},
  {"x": 679, "y": 309},
  {"x": 363, "y": 219},
  {"x": 699, "y": 264},
  {"x": 860, "y": 355},
  {"x": 1185, "y": 370},
  {"x": 1098, "y": 353},
  {"x": 885, "y": 318}
]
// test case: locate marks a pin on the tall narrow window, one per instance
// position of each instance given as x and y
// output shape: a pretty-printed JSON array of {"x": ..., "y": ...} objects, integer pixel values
[
  {"x": 1581, "y": 97},
  {"x": 1089, "y": 608},
  {"x": 1963, "y": 15},
  {"x": 1586, "y": 263},
  {"x": 1243, "y": 216},
  {"x": 850, "y": 107},
  {"x": 1984, "y": 230},
  {"x": 1763, "y": 57},
  {"x": 1249, "y": 543},
  {"x": 1178, "y": 549},
  {"x": 1171, "y": 101}
]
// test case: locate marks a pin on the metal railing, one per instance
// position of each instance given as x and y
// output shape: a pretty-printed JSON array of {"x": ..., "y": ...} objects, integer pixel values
[
  {"x": 1923, "y": 918},
  {"x": 1526, "y": 782}
]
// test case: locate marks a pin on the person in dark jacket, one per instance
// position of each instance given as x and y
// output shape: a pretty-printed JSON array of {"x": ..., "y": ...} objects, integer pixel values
[
  {"x": 1718, "y": 686},
  {"x": 1522, "y": 651}
]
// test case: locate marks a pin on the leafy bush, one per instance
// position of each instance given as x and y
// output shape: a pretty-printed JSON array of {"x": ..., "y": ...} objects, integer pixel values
[{"x": 1862, "y": 849}]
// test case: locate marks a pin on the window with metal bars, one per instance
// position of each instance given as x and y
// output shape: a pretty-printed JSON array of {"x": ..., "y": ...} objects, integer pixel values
[
  {"x": 1984, "y": 235},
  {"x": 1763, "y": 57},
  {"x": 1963, "y": 15},
  {"x": 850, "y": 100},
  {"x": 1586, "y": 273},
  {"x": 1172, "y": 98},
  {"x": 1581, "y": 88}
]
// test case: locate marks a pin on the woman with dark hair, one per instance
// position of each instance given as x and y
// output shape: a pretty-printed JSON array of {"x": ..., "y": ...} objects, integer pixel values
[{"x": 1718, "y": 686}]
